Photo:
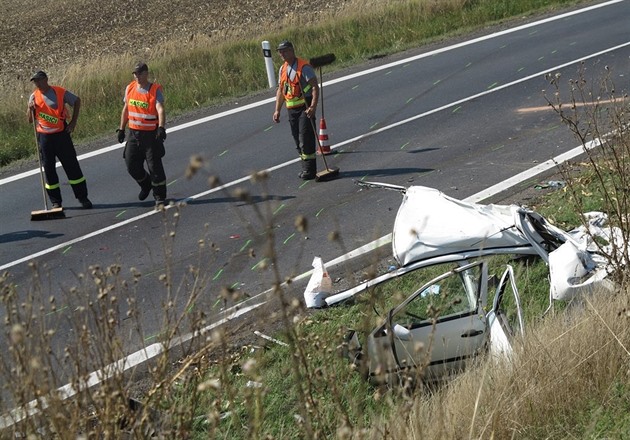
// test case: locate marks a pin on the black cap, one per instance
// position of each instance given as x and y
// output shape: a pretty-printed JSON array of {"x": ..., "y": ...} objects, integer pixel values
[
  {"x": 140, "y": 67},
  {"x": 285, "y": 45},
  {"x": 40, "y": 74}
]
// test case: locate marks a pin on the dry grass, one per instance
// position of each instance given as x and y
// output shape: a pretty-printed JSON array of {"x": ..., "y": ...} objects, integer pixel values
[
  {"x": 568, "y": 365},
  {"x": 87, "y": 30}
]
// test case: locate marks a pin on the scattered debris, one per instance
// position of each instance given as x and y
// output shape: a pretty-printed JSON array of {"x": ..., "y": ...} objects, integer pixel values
[
  {"x": 443, "y": 320},
  {"x": 319, "y": 286},
  {"x": 269, "y": 338}
]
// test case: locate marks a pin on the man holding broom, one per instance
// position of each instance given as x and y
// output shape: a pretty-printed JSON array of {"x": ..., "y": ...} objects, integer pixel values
[
  {"x": 47, "y": 108},
  {"x": 299, "y": 90}
]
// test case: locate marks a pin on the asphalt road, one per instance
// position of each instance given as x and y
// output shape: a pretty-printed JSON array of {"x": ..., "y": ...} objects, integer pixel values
[{"x": 457, "y": 116}]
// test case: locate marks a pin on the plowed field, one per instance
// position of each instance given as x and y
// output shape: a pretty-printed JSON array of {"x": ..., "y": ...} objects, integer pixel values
[{"x": 51, "y": 35}]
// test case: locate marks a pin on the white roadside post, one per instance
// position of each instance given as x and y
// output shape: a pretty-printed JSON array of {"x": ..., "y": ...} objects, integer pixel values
[{"x": 271, "y": 75}]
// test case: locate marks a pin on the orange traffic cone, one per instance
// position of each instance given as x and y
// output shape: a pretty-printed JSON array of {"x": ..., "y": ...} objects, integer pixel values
[{"x": 324, "y": 144}]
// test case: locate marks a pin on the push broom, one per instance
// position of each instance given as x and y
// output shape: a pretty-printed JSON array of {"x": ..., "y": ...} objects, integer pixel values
[
  {"x": 330, "y": 172},
  {"x": 45, "y": 214},
  {"x": 318, "y": 62}
]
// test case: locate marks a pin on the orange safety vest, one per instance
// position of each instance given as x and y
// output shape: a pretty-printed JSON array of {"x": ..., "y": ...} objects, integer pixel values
[
  {"x": 292, "y": 89},
  {"x": 142, "y": 107},
  {"x": 50, "y": 120}
]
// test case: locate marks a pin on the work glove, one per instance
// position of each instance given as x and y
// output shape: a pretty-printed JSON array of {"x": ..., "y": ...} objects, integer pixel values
[
  {"x": 161, "y": 134},
  {"x": 121, "y": 135}
]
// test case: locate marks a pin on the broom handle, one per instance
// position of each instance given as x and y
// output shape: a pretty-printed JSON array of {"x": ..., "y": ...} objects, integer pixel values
[
  {"x": 319, "y": 145},
  {"x": 39, "y": 159},
  {"x": 321, "y": 90}
]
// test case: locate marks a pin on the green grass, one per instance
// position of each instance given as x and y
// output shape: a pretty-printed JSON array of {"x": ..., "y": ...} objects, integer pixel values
[
  {"x": 199, "y": 74},
  {"x": 334, "y": 393}
]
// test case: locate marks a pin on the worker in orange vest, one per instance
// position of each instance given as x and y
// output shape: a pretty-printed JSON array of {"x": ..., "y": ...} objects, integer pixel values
[
  {"x": 144, "y": 110},
  {"x": 299, "y": 90},
  {"x": 47, "y": 107}
]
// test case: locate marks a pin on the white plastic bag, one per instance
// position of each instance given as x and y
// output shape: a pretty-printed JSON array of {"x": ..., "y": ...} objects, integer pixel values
[{"x": 318, "y": 287}]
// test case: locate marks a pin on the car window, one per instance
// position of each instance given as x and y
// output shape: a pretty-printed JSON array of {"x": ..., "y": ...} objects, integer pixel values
[
  {"x": 449, "y": 296},
  {"x": 386, "y": 295},
  {"x": 508, "y": 308}
]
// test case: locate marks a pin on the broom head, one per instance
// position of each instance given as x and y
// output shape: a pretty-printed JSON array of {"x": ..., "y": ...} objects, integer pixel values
[
  {"x": 322, "y": 60},
  {"x": 329, "y": 173},
  {"x": 48, "y": 214}
]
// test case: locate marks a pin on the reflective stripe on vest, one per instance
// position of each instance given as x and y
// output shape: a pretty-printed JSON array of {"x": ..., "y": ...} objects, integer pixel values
[
  {"x": 142, "y": 107},
  {"x": 292, "y": 88},
  {"x": 50, "y": 120}
]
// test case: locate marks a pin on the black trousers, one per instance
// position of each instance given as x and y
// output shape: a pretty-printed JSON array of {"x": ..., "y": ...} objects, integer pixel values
[
  {"x": 142, "y": 146},
  {"x": 59, "y": 146},
  {"x": 302, "y": 132}
]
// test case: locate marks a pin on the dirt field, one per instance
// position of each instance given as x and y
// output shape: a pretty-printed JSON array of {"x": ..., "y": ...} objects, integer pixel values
[{"x": 63, "y": 32}]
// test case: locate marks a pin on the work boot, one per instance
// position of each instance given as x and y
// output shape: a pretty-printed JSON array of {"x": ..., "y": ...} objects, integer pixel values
[
  {"x": 85, "y": 203},
  {"x": 145, "y": 189},
  {"x": 309, "y": 169}
]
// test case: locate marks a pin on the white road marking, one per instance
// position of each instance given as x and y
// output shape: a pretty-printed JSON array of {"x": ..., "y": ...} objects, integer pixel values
[
  {"x": 135, "y": 359},
  {"x": 16, "y": 415},
  {"x": 345, "y": 78},
  {"x": 333, "y": 147}
]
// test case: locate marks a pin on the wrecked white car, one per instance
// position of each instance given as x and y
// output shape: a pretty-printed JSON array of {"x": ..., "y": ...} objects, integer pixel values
[{"x": 443, "y": 247}]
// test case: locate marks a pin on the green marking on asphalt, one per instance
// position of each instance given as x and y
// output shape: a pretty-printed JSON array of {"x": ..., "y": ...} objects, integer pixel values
[
  {"x": 374, "y": 125},
  {"x": 553, "y": 127},
  {"x": 52, "y": 312},
  {"x": 255, "y": 266},
  {"x": 355, "y": 87},
  {"x": 554, "y": 51},
  {"x": 280, "y": 208},
  {"x": 218, "y": 274},
  {"x": 245, "y": 245},
  {"x": 491, "y": 86},
  {"x": 234, "y": 285},
  {"x": 189, "y": 309},
  {"x": 456, "y": 109},
  {"x": 66, "y": 249},
  {"x": 437, "y": 82},
  {"x": 469, "y": 64},
  {"x": 170, "y": 183},
  {"x": 404, "y": 145},
  {"x": 268, "y": 128},
  {"x": 497, "y": 148},
  {"x": 573, "y": 44},
  {"x": 216, "y": 303},
  {"x": 541, "y": 58},
  {"x": 533, "y": 32},
  {"x": 121, "y": 213},
  {"x": 288, "y": 238},
  {"x": 520, "y": 69},
  {"x": 224, "y": 152},
  {"x": 409, "y": 100},
  {"x": 365, "y": 177},
  {"x": 388, "y": 72},
  {"x": 150, "y": 337},
  {"x": 319, "y": 212},
  {"x": 304, "y": 184}
]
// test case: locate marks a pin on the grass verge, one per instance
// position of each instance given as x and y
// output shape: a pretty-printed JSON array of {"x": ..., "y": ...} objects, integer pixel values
[{"x": 197, "y": 73}]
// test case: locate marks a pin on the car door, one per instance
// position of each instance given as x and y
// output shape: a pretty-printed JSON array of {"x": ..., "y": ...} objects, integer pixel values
[
  {"x": 437, "y": 328},
  {"x": 505, "y": 320}
]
